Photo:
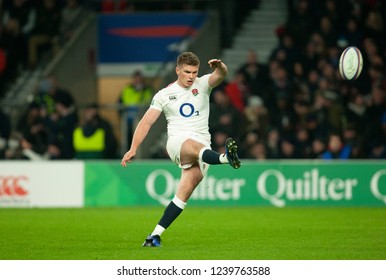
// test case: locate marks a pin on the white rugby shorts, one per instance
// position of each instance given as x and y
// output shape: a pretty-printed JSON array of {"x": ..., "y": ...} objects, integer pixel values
[{"x": 173, "y": 147}]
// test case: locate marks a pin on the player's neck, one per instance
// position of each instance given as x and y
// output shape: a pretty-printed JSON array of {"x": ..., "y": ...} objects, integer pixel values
[{"x": 179, "y": 83}]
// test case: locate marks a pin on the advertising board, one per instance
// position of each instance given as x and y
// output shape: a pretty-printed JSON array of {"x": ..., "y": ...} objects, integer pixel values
[
  {"x": 41, "y": 184},
  {"x": 270, "y": 183}
]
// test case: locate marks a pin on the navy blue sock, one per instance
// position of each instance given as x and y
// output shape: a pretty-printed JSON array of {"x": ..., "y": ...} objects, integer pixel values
[
  {"x": 211, "y": 157},
  {"x": 171, "y": 213}
]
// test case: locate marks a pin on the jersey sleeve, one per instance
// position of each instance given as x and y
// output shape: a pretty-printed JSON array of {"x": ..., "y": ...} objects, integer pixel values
[
  {"x": 204, "y": 82},
  {"x": 156, "y": 102}
]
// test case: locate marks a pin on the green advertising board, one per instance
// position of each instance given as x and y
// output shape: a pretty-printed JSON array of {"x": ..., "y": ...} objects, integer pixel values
[{"x": 267, "y": 183}]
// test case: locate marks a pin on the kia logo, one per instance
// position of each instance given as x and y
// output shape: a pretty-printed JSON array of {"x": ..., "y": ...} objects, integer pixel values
[{"x": 12, "y": 185}]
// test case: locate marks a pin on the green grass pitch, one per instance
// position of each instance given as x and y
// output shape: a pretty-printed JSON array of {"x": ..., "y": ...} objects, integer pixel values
[{"x": 200, "y": 233}]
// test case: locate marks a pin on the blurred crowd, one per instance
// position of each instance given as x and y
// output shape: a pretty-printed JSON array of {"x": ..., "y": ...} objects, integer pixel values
[
  {"x": 30, "y": 30},
  {"x": 297, "y": 106},
  {"x": 53, "y": 127}
]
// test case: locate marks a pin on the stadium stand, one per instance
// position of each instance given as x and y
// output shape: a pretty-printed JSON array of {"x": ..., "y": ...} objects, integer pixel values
[
  {"x": 304, "y": 96},
  {"x": 293, "y": 99}
]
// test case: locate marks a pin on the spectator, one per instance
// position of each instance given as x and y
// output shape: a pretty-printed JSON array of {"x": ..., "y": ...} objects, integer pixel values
[
  {"x": 374, "y": 27},
  {"x": 19, "y": 21},
  {"x": 356, "y": 111},
  {"x": 283, "y": 116},
  {"x": 377, "y": 75},
  {"x": 318, "y": 147},
  {"x": 94, "y": 137},
  {"x": 62, "y": 125},
  {"x": 374, "y": 116},
  {"x": 353, "y": 138},
  {"x": 299, "y": 76},
  {"x": 300, "y": 22},
  {"x": 273, "y": 144},
  {"x": 287, "y": 149},
  {"x": 256, "y": 116},
  {"x": 378, "y": 150},
  {"x": 45, "y": 32},
  {"x": 334, "y": 16},
  {"x": 286, "y": 53},
  {"x": 14, "y": 149},
  {"x": 48, "y": 90},
  {"x": 257, "y": 151},
  {"x": 238, "y": 91},
  {"x": 281, "y": 56},
  {"x": 312, "y": 83},
  {"x": 310, "y": 57},
  {"x": 353, "y": 34},
  {"x": 134, "y": 95},
  {"x": 255, "y": 73},
  {"x": 33, "y": 131},
  {"x": 320, "y": 47},
  {"x": 137, "y": 92},
  {"x": 330, "y": 110},
  {"x": 280, "y": 88},
  {"x": 320, "y": 115},
  {"x": 71, "y": 15},
  {"x": 248, "y": 140},
  {"x": 333, "y": 56},
  {"x": 328, "y": 72},
  {"x": 302, "y": 143},
  {"x": 336, "y": 149},
  {"x": 288, "y": 44},
  {"x": 302, "y": 111},
  {"x": 224, "y": 118}
]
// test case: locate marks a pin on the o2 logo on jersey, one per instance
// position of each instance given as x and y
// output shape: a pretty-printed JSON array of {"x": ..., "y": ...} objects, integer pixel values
[{"x": 187, "y": 110}]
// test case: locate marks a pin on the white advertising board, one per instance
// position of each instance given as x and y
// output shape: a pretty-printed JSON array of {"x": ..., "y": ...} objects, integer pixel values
[{"x": 41, "y": 184}]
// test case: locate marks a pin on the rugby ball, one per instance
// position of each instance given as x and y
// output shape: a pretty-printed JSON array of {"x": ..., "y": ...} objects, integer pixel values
[{"x": 350, "y": 63}]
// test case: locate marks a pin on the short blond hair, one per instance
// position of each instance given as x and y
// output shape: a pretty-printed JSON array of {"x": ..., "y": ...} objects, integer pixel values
[{"x": 188, "y": 58}]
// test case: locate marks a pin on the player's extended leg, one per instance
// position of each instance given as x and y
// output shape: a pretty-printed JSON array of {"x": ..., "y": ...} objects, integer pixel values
[
  {"x": 190, "y": 178},
  {"x": 211, "y": 157},
  {"x": 194, "y": 150}
]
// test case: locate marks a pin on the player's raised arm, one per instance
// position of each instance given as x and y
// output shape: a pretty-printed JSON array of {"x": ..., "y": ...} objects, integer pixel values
[
  {"x": 219, "y": 73},
  {"x": 140, "y": 133}
]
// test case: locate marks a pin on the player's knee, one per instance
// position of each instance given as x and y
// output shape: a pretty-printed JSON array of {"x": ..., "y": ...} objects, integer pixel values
[
  {"x": 198, "y": 176},
  {"x": 192, "y": 148}
]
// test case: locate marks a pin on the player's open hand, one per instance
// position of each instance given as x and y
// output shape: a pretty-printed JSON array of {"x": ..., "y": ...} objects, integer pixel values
[
  {"x": 214, "y": 63},
  {"x": 127, "y": 157}
]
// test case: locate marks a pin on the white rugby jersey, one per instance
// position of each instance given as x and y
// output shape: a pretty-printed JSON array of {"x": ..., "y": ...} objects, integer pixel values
[{"x": 186, "y": 109}]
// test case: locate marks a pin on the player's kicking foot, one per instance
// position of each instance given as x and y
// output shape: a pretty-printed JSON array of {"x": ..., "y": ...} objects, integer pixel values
[
  {"x": 231, "y": 152},
  {"x": 152, "y": 241}
]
